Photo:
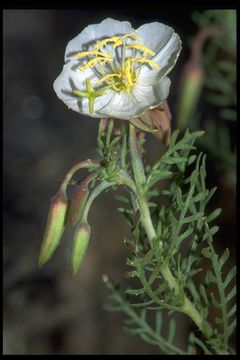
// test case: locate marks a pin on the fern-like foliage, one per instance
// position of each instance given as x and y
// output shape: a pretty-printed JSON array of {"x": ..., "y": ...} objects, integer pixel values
[
  {"x": 137, "y": 323},
  {"x": 183, "y": 244}
]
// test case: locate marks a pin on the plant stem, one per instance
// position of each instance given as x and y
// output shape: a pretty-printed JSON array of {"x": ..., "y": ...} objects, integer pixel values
[
  {"x": 146, "y": 217},
  {"x": 86, "y": 164},
  {"x": 97, "y": 191},
  {"x": 188, "y": 307}
]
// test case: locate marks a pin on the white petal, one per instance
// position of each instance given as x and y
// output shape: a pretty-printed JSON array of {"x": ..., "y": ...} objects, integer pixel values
[
  {"x": 161, "y": 90},
  {"x": 153, "y": 95},
  {"x": 93, "y": 33},
  {"x": 72, "y": 78},
  {"x": 155, "y": 35},
  {"x": 165, "y": 58},
  {"x": 125, "y": 105}
]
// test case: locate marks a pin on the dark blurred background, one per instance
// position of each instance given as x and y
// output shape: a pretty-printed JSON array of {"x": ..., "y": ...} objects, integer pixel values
[{"x": 46, "y": 311}]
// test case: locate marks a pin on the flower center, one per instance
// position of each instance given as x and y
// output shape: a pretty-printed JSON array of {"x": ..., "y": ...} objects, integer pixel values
[{"x": 106, "y": 66}]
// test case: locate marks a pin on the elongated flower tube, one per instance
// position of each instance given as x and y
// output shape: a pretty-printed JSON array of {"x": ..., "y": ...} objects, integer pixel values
[
  {"x": 80, "y": 244},
  {"x": 55, "y": 226},
  {"x": 115, "y": 71}
]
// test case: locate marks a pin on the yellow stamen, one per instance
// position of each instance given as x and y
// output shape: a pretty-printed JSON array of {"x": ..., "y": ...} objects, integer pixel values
[
  {"x": 120, "y": 41},
  {"x": 107, "y": 77},
  {"x": 94, "y": 61},
  {"x": 113, "y": 39},
  {"x": 147, "y": 61},
  {"x": 145, "y": 49},
  {"x": 121, "y": 79},
  {"x": 83, "y": 54}
]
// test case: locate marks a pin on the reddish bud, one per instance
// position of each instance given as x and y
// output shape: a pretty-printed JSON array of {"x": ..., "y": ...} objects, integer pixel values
[
  {"x": 159, "y": 120},
  {"x": 79, "y": 200},
  {"x": 54, "y": 228}
]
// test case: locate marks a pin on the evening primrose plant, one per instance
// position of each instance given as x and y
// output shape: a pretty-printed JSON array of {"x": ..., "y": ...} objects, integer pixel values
[{"x": 113, "y": 71}]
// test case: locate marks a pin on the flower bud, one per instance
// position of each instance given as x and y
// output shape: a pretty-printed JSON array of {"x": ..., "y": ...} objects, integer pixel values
[
  {"x": 161, "y": 117},
  {"x": 159, "y": 120},
  {"x": 55, "y": 226},
  {"x": 79, "y": 200},
  {"x": 80, "y": 243},
  {"x": 190, "y": 90}
]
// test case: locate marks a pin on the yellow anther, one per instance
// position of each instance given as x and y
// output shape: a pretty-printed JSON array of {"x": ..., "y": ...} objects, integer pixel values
[
  {"x": 113, "y": 39},
  {"x": 124, "y": 77},
  {"x": 145, "y": 49},
  {"x": 147, "y": 61},
  {"x": 94, "y": 61},
  {"x": 120, "y": 41},
  {"x": 83, "y": 54}
]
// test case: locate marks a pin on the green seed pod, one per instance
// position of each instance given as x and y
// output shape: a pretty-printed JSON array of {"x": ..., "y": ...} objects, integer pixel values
[
  {"x": 80, "y": 243},
  {"x": 79, "y": 200},
  {"x": 54, "y": 228}
]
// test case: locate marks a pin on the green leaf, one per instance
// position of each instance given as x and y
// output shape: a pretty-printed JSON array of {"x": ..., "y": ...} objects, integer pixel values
[
  {"x": 174, "y": 160},
  {"x": 179, "y": 197},
  {"x": 231, "y": 294},
  {"x": 173, "y": 138},
  {"x": 122, "y": 198},
  {"x": 135, "y": 292},
  {"x": 224, "y": 258},
  {"x": 184, "y": 235},
  {"x": 191, "y": 159},
  {"x": 192, "y": 218},
  {"x": 204, "y": 294},
  {"x": 171, "y": 330},
  {"x": 231, "y": 328},
  {"x": 230, "y": 276},
  {"x": 158, "y": 322},
  {"x": 193, "y": 339},
  {"x": 115, "y": 141},
  {"x": 213, "y": 215},
  {"x": 211, "y": 193},
  {"x": 232, "y": 311},
  {"x": 201, "y": 196},
  {"x": 214, "y": 230}
]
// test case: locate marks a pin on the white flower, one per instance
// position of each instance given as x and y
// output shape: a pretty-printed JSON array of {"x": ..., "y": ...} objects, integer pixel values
[{"x": 115, "y": 71}]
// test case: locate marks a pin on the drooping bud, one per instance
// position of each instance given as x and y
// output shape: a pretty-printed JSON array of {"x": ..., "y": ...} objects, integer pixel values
[
  {"x": 159, "y": 121},
  {"x": 142, "y": 123},
  {"x": 192, "y": 77},
  {"x": 79, "y": 200},
  {"x": 55, "y": 226},
  {"x": 190, "y": 90},
  {"x": 161, "y": 117},
  {"x": 80, "y": 243}
]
